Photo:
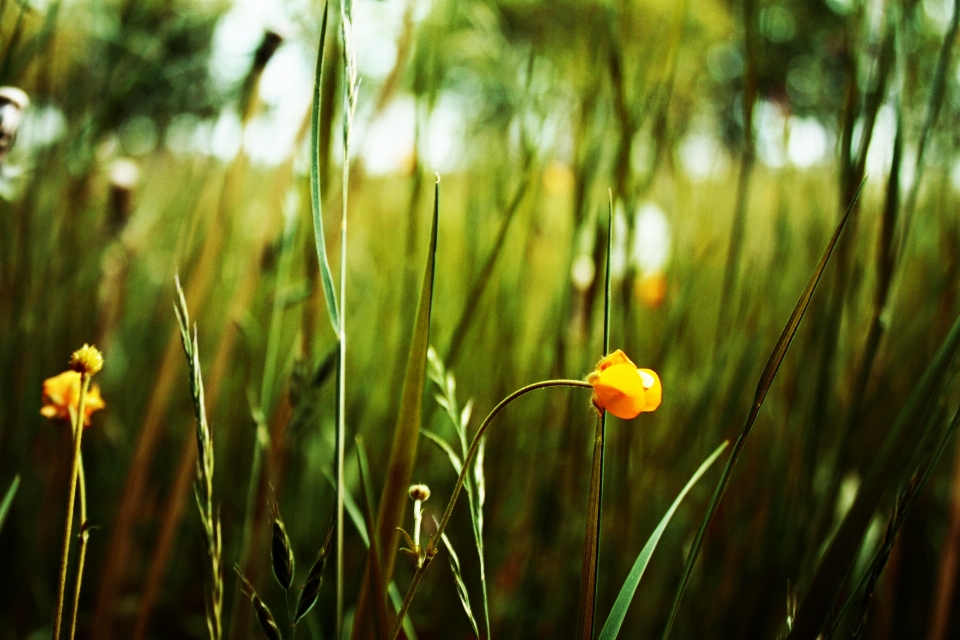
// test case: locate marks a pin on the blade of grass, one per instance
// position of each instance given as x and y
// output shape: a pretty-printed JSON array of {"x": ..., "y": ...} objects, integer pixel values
[
  {"x": 612, "y": 626},
  {"x": 406, "y": 435},
  {"x": 591, "y": 541},
  {"x": 8, "y": 499},
  {"x": 376, "y": 574},
  {"x": 326, "y": 277},
  {"x": 763, "y": 385},
  {"x": 888, "y": 470}
]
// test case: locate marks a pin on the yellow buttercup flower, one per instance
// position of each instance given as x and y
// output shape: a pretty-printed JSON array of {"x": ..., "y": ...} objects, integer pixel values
[
  {"x": 61, "y": 397},
  {"x": 622, "y": 388}
]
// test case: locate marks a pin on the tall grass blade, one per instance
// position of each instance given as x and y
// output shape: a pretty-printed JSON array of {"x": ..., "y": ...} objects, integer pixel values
[
  {"x": 591, "y": 543},
  {"x": 763, "y": 385},
  {"x": 326, "y": 277},
  {"x": 376, "y": 573},
  {"x": 889, "y": 468},
  {"x": 8, "y": 499},
  {"x": 406, "y": 436},
  {"x": 612, "y": 626}
]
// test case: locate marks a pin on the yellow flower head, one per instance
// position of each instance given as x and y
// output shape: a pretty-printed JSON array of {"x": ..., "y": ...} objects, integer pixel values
[
  {"x": 623, "y": 389},
  {"x": 87, "y": 359},
  {"x": 61, "y": 395}
]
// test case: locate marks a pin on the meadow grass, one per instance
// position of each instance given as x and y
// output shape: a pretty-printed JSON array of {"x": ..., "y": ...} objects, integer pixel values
[{"x": 833, "y": 515}]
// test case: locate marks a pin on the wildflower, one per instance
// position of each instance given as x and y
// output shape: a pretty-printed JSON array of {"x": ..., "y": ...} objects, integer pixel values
[
  {"x": 623, "y": 389},
  {"x": 87, "y": 359},
  {"x": 61, "y": 395}
]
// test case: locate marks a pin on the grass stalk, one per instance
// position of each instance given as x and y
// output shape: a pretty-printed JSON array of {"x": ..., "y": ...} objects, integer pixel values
[
  {"x": 82, "y": 550},
  {"x": 203, "y": 487},
  {"x": 68, "y": 526},
  {"x": 431, "y": 550},
  {"x": 351, "y": 87},
  {"x": 589, "y": 575}
]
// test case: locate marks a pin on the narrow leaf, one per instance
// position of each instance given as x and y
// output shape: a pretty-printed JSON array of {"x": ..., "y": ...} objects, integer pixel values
[
  {"x": 325, "y": 276},
  {"x": 8, "y": 499},
  {"x": 406, "y": 436},
  {"x": 612, "y": 626},
  {"x": 373, "y": 562},
  {"x": 763, "y": 385}
]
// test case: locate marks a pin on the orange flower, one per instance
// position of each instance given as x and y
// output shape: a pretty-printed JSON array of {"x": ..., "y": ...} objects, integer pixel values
[
  {"x": 61, "y": 395},
  {"x": 623, "y": 389}
]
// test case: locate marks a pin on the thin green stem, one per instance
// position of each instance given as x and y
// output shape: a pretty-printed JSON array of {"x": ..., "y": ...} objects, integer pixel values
[
  {"x": 74, "y": 467},
  {"x": 431, "y": 550},
  {"x": 351, "y": 86},
  {"x": 82, "y": 552}
]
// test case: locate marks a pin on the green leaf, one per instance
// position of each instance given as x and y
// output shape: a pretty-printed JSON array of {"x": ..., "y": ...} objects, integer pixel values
[
  {"x": 8, "y": 499},
  {"x": 612, "y": 626},
  {"x": 763, "y": 385},
  {"x": 403, "y": 453},
  {"x": 325, "y": 276}
]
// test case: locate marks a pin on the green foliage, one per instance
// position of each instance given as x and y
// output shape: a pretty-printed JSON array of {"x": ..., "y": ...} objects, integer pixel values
[{"x": 559, "y": 101}]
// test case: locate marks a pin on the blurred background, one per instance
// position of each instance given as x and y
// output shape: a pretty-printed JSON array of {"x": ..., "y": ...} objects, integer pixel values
[{"x": 170, "y": 136}]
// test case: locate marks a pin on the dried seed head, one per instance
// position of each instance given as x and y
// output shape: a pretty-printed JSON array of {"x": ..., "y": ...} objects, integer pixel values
[
  {"x": 419, "y": 492},
  {"x": 87, "y": 359}
]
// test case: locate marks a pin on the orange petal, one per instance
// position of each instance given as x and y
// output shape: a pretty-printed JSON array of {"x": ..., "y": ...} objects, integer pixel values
[{"x": 619, "y": 390}]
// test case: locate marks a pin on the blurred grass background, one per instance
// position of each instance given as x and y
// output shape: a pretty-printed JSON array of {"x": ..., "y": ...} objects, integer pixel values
[{"x": 171, "y": 135}]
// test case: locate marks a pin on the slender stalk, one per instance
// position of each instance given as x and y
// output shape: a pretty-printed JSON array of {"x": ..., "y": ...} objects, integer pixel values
[
  {"x": 431, "y": 550},
  {"x": 74, "y": 466},
  {"x": 82, "y": 552},
  {"x": 351, "y": 85}
]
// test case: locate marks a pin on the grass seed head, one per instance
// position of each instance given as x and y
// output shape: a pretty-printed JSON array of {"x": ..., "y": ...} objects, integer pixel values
[{"x": 281, "y": 552}]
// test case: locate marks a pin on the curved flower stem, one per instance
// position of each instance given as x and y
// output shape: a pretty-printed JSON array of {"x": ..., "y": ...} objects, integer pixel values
[
  {"x": 82, "y": 552},
  {"x": 431, "y": 549},
  {"x": 77, "y": 436}
]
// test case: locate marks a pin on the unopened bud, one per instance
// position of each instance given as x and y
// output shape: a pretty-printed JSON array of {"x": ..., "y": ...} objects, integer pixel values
[{"x": 419, "y": 492}]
